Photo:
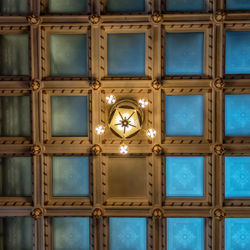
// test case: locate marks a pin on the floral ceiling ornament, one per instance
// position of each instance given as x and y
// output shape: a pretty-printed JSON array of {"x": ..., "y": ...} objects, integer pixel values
[{"x": 125, "y": 119}]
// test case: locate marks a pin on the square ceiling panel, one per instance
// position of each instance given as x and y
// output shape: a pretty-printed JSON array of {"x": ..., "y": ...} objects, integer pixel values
[
  {"x": 14, "y": 50},
  {"x": 184, "y": 176},
  {"x": 69, "y": 116},
  {"x": 15, "y": 116},
  {"x": 184, "y": 115},
  {"x": 185, "y": 5},
  {"x": 68, "y": 6},
  {"x": 185, "y": 233},
  {"x": 237, "y": 115},
  {"x": 70, "y": 176},
  {"x": 16, "y": 176},
  {"x": 122, "y": 49},
  {"x": 127, "y": 233},
  {"x": 184, "y": 53},
  {"x": 237, "y": 52},
  {"x": 14, "y": 7},
  {"x": 68, "y": 54},
  {"x": 125, "y": 6}
]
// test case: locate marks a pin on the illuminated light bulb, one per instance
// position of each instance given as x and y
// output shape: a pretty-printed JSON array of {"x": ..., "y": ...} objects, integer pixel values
[
  {"x": 143, "y": 103},
  {"x": 100, "y": 129},
  {"x": 124, "y": 149},
  {"x": 151, "y": 133},
  {"x": 110, "y": 99}
]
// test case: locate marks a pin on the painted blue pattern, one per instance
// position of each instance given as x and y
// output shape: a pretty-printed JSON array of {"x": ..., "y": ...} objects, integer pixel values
[
  {"x": 70, "y": 176},
  {"x": 184, "y": 53},
  {"x": 14, "y": 54},
  {"x": 237, "y": 233},
  {"x": 69, "y": 116},
  {"x": 184, "y": 115},
  {"x": 125, "y": 5},
  {"x": 237, "y": 115},
  {"x": 68, "y": 54},
  {"x": 237, "y": 177},
  {"x": 126, "y": 54},
  {"x": 71, "y": 233},
  {"x": 185, "y": 233},
  {"x": 184, "y": 176},
  {"x": 127, "y": 233},
  {"x": 238, "y": 4},
  {"x": 15, "y": 116},
  {"x": 238, "y": 52},
  {"x": 68, "y": 6},
  {"x": 14, "y": 7},
  {"x": 15, "y": 176},
  {"x": 18, "y": 233},
  {"x": 185, "y": 5}
]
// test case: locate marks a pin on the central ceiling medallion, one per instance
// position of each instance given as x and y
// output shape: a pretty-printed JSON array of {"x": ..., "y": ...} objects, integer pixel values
[{"x": 126, "y": 118}]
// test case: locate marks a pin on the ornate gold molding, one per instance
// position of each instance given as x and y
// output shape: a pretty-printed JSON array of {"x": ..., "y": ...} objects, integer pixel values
[
  {"x": 156, "y": 17},
  {"x": 33, "y": 20},
  {"x": 96, "y": 149},
  {"x": 97, "y": 213},
  {"x": 157, "y": 149},
  {"x": 37, "y": 212},
  {"x": 219, "y": 16},
  {"x": 156, "y": 84},
  {"x": 218, "y": 84},
  {"x": 36, "y": 149},
  {"x": 218, "y": 149},
  {"x": 36, "y": 85},
  {"x": 95, "y": 84},
  {"x": 218, "y": 213},
  {"x": 95, "y": 19},
  {"x": 157, "y": 213}
]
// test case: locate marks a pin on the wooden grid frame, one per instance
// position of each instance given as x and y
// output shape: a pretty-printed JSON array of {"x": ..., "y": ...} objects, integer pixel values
[
  {"x": 208, "y": 47},
  {"x": 47, "y": 136},
  {"x": 133, "y": 94},
  {"x": 207, "y": 137},
  {"x": 7, "y": 30},
  {"x": 46, "y": 31},
  {"x": 128, "y": 201},
  {"x": 69, "y": 201},
  {"x": 206, "y": 200},
  {"x": 126, "y": 28},
  {"x": 234, "y": 20}
]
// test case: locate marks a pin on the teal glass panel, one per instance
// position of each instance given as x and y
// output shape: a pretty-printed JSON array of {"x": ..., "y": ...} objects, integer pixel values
[
  {"x": 14, "y": 7},
  {"x": 14, "y": 54},
  {"x": 237, "y": 177},
  {"x": 185, "y": 5},
  {"x": 68, "y": 54},
  {"x": 16, "y": 233},
  {"x": 68, "y": 6},
  {"x": 184, "y": 176},
  {"x": 185, "y": 233},
  {"x": 15, "y": 116},
  {"x": 127, "y": 233},
  {"x": 69, "y": 116},
  {"x": 184, "y": 53},
  {"x": 125, "y": 5},
  {"x": 15, "y": 176},
  {"x": 237, "y": 233},
  {"x": 122, "y": 49},
  {"x": 184, "y": 115},
  {"x": 238, "y": 52},
  {"x": 237, "y": 115},
  {"x": 71, "y": 233},
  {"x": 70, "y": 176},
  {"x": 238, "y": 4}
]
